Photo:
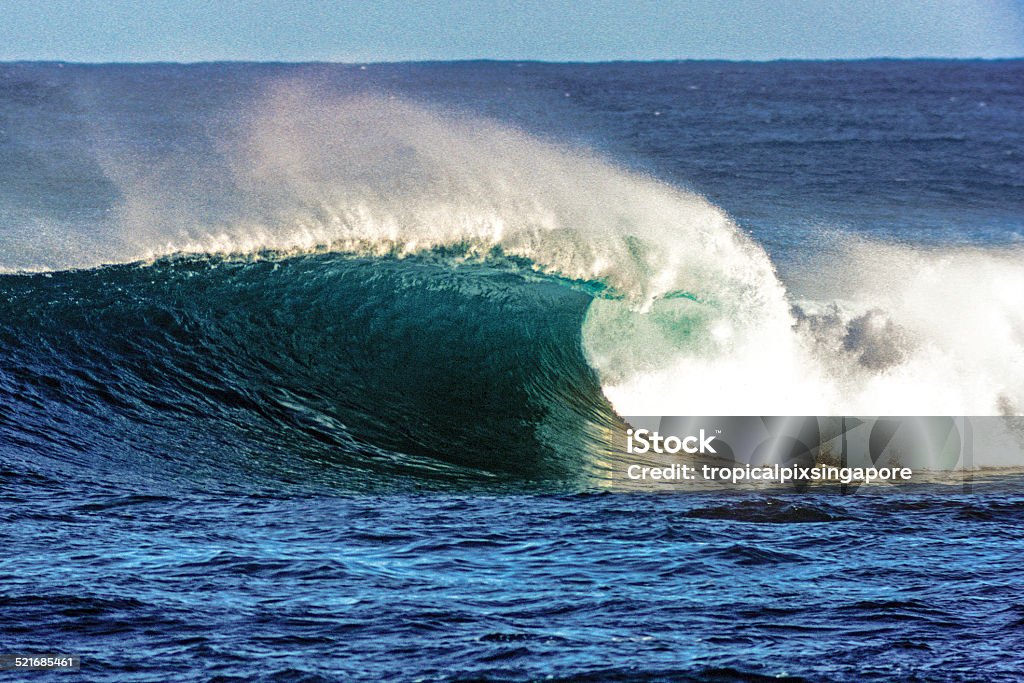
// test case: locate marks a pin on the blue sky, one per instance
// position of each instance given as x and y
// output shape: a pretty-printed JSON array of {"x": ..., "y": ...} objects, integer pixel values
[{"x": 557, "y": 30}]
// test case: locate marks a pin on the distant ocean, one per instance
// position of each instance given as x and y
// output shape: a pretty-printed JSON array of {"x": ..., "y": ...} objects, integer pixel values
[{"x": 311, "y": 372}]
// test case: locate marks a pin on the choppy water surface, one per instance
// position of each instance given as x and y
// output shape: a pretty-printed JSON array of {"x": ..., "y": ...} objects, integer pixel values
[{"x": 921, "y": 584}]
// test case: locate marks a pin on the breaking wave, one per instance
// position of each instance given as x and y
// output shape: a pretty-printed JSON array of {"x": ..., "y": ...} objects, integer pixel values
[{"x": 413, "y": 290}]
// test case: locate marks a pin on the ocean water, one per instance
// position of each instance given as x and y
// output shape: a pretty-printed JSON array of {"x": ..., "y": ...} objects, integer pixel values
[{"x": 315, "y": 372}]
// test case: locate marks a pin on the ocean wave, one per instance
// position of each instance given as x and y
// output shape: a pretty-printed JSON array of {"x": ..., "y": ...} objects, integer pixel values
[{"x": 445, "y": 296}]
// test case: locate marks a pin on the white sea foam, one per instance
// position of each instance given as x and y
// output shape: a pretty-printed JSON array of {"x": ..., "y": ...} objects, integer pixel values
[{"x": 892, "y": 330}]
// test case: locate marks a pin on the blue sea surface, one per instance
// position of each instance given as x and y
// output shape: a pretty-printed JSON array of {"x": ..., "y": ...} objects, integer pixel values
[
  {"x": 920, "y": 584},
  {"x": 327, "y": 464}
]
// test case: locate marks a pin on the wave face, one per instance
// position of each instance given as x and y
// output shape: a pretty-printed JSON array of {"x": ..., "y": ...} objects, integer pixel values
[
  {"x": 369, "y": 366},
  {"x": 371, "y": 276}
]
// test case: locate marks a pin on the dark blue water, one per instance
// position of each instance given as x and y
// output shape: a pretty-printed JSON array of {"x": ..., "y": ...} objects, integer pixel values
[
  {"x": 281, "y": 585},
  {"x": 270, "y": 410}
]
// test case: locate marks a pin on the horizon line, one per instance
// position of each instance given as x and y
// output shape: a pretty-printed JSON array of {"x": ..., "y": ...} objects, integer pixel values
[{"x": 493, "y": 60}]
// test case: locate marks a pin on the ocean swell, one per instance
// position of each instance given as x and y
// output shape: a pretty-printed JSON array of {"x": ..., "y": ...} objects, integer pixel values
[{"x": 366, "y": 280}]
